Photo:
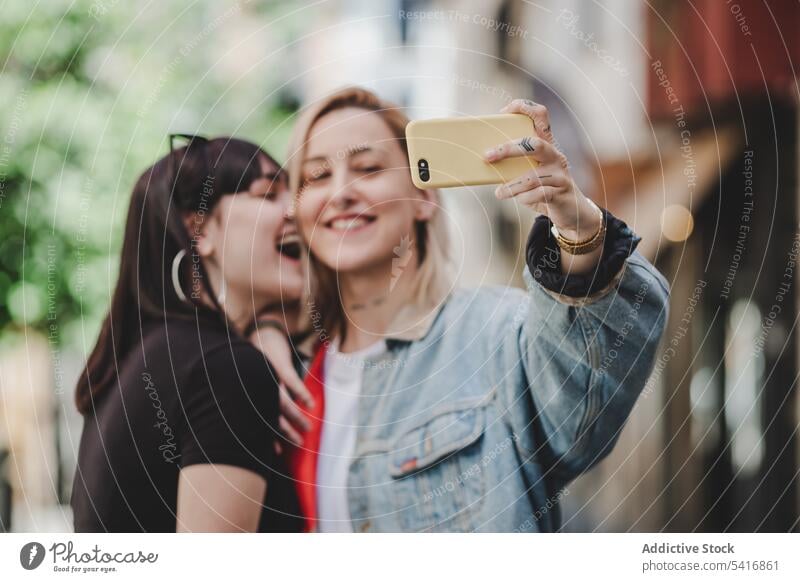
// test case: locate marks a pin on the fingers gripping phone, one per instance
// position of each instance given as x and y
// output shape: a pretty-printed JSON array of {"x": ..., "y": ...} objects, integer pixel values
[{"x": 444, "y": 153}]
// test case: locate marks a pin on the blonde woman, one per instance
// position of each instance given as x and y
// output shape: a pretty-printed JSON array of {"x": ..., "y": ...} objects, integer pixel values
[{"x": 443, "y": 409}]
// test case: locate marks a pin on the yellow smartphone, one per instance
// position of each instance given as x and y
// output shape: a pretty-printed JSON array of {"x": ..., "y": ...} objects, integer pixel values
[{"x": 444, "y": 153}]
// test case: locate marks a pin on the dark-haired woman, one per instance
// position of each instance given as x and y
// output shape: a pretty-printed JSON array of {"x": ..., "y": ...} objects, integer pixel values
[{"x": 180, "y": 410}]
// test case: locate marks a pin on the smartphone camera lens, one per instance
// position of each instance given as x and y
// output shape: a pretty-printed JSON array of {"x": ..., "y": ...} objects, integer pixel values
[{"x": 424, "y": 171}]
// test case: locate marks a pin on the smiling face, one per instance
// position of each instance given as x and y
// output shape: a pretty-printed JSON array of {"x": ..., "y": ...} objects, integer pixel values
[
  {"x": 249, "y": 241},
  {"x": 357, "y": 202}
]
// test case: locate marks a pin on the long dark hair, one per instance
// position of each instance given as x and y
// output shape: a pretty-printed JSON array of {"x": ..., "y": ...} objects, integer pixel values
[{"x": 190, "y": 179}]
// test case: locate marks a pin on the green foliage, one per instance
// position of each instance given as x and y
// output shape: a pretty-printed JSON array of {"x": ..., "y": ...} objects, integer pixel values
[{"x": 89, "y": 92}]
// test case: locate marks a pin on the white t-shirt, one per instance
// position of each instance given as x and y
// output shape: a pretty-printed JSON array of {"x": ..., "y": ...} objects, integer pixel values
[{"x": 343, "y": 374}]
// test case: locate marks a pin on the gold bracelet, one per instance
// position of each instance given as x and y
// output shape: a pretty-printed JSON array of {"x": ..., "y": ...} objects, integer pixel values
[{"x": 585, "y": 246}]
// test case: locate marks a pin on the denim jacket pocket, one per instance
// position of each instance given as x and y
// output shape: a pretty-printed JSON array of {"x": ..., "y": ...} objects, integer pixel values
[{"x": 437, "y": 471}]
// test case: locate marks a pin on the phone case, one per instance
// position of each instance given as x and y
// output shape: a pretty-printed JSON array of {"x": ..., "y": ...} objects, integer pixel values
[{"x": 451, "y": 150}]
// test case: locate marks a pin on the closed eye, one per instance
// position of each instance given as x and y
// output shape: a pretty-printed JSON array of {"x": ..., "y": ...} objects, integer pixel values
[
  {"x": 267, "y": 187},
  {"x": 317, "y": 177}
]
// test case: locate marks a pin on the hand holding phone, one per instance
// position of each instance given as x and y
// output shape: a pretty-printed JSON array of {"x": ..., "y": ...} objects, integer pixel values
[
  {"x": 515, "y": 149},
  {"x": 449, "y": 152}
]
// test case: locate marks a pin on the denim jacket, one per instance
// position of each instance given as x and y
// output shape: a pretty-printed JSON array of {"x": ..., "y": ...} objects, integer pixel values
[{"x": 477, "y": 418}]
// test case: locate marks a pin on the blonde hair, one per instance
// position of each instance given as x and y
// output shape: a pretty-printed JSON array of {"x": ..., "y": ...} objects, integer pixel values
[{"x": 434, "y": 275}]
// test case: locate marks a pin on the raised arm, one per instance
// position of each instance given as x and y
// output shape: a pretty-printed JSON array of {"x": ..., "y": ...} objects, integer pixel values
[
  {"x": 587, "y": 339},
  {"x": 586, "y": 356}
]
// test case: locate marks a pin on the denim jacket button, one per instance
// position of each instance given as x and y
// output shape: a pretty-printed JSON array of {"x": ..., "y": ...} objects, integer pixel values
[{"x": 365, "y": 526}]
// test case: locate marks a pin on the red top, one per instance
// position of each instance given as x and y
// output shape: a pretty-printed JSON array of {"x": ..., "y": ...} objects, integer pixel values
[{"x": 303, "y": 459}]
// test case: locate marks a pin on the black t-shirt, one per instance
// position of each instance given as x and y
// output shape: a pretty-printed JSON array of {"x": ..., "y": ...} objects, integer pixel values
[{"x": 189, "y": 393}]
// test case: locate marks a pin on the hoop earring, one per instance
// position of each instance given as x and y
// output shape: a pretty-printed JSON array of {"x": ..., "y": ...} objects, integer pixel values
[
  {"x": 176, "y": 269},
  {"x": 222, "y": 292}
]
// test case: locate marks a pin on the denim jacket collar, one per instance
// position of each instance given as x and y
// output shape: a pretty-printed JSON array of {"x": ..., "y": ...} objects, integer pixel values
[{"x": 412, "y": 323}]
